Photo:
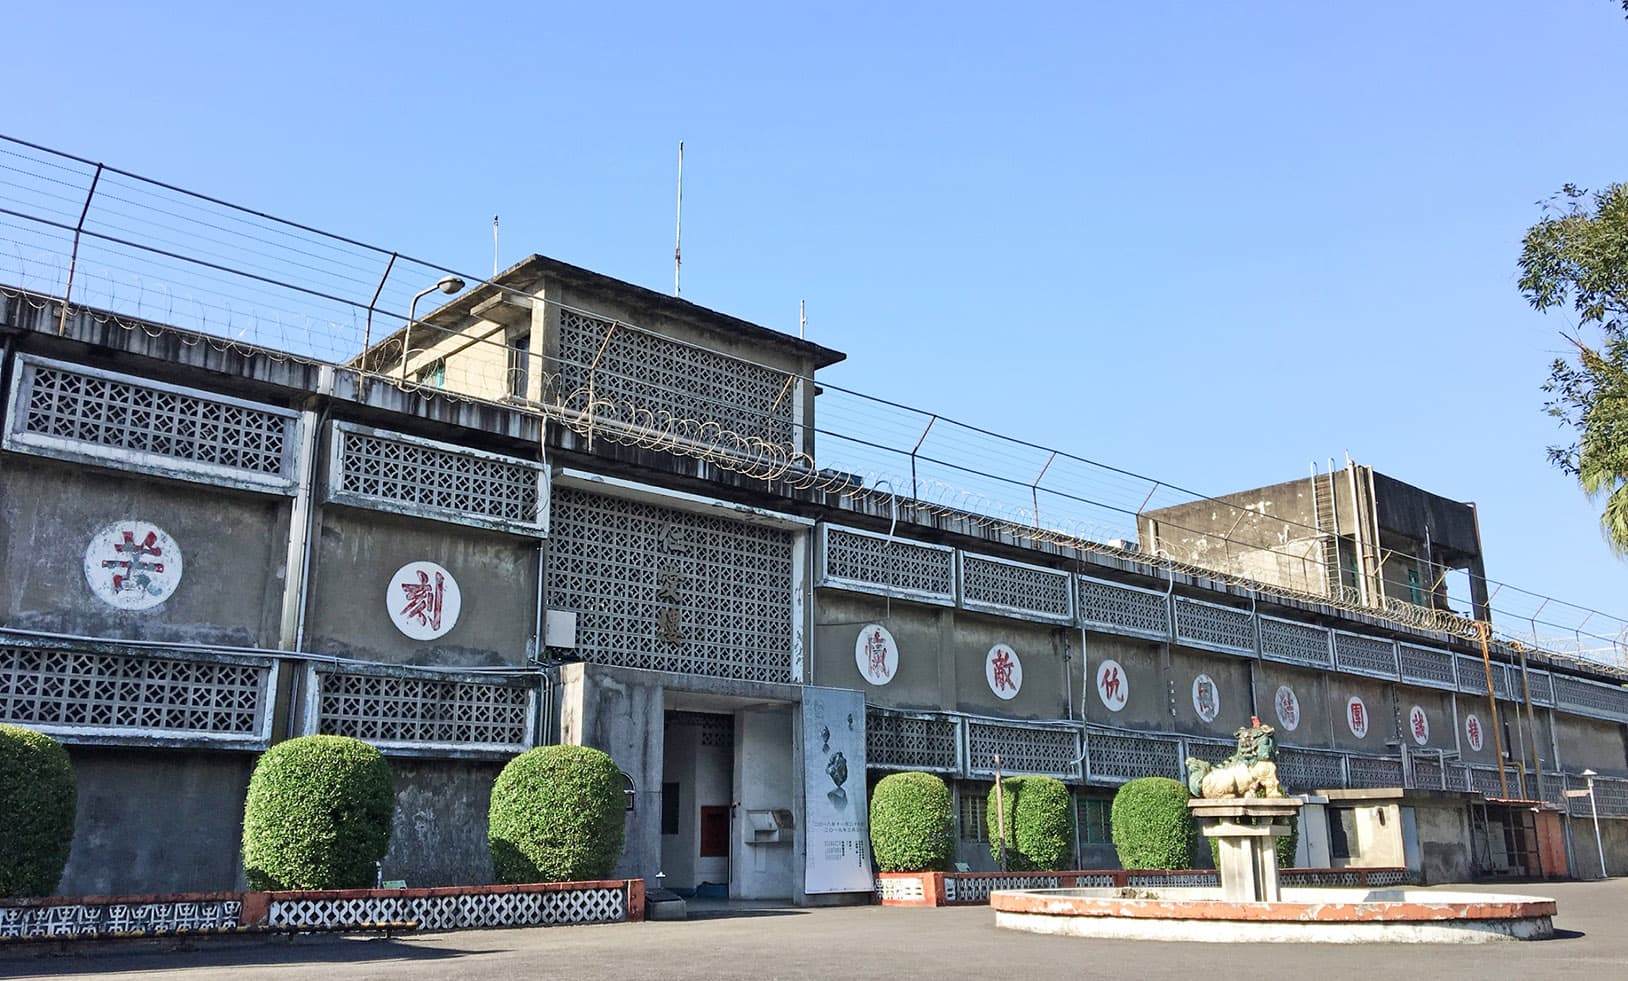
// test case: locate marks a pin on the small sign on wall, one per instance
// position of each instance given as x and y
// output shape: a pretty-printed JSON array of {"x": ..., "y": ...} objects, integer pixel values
[
  {"x": 132, "y": 565},
  {"x": 1003, "y": 671},
  {"x": 1419, "y": 725},
  {"x": 1113, "y": 687},
  {"x": 876, "y": 654},
  {"x": 1356, "y": 717},
  {"x": 1206, "y": 698},
  {"x": 1288, "y": 708},
  {"x": 423, "y": 600}
]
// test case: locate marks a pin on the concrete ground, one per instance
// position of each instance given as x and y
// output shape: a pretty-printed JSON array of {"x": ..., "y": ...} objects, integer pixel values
[{"x": 857, "y": 942}]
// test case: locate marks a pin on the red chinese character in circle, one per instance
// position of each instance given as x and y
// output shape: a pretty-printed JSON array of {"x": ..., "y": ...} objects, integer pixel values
[
  {"x": 1358, "y": 722},
  {"x": 876, "y": 655},
  {"x": 1003, "y": 671},
  {"x": 1110, "y": 685},
  {"x": 1420, "y": 725}
]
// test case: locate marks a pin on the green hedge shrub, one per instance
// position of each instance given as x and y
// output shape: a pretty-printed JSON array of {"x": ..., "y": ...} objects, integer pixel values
[
  {"x": 1039, "y": 824},
  {"x": 37, "y": 803},
  {"x": 557, "y": 815},
  {"x": 318, "y": 814},
  {"x": 912, "y": 824},
  {"x": 1151, "y": 826}
]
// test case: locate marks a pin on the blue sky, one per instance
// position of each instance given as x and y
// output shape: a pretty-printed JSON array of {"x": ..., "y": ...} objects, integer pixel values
[{"x": 1209, "y": 243}]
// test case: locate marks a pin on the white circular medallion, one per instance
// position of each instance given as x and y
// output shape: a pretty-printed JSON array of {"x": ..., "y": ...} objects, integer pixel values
[
  {"x": 1419, "y": 725},
  {"x": 1288, "y": 708},
  {"x": 1113, "y": 687},
  {"x": 876, "y": 654},
  {"x": 132, "y": 565},
  {"x": 1003, "y": 671},
  {"x": 1474, "y": 734},
  {"x": 1356, "y": 716},
  {"x": 423, "y": 600},
  {"x": 1206, "y": 698}
]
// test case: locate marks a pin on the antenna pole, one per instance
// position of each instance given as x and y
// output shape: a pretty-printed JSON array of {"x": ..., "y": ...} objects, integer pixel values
[
  {"x": 802, "y": 319},
  {"x": 494, "y": 246},
  {"x": 678, "y": 224}
]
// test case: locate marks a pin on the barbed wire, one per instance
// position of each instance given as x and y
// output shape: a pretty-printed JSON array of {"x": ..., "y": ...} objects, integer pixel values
[{"x": 251, "y": 283}]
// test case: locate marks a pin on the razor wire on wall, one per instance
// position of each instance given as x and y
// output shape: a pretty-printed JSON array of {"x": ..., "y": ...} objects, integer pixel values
[{"x": 158, "y": 257}]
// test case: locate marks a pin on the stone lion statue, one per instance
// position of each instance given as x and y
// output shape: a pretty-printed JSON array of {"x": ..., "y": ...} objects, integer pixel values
[{"x": 1248, "y": 772}]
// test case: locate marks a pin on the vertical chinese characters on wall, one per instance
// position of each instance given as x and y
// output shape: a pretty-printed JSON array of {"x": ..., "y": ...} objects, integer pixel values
[{"x": 671, "y": 550}]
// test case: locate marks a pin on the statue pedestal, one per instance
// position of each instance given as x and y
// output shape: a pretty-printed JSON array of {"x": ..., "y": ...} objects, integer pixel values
[{"x": 1246, "y": 830}]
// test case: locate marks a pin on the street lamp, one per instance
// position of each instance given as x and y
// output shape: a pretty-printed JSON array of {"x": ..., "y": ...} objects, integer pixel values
[
  {"x": 1593, "y": 807},
  {"x": 446, "y": 284}
]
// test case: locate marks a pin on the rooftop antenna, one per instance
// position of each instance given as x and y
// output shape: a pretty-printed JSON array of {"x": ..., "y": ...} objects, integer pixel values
[
  {"x": 802, "y": 320},
  {"x": 494, "y": 246},
  {"x": 678, "y": 225}
]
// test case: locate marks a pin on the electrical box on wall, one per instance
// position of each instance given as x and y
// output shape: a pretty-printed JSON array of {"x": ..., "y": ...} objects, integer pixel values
[
  {"x": 769, "y": 827},
  {"x": 560, "y": 629}
]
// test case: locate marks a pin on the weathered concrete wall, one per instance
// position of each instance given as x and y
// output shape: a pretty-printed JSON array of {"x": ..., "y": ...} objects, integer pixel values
[
  {"x": 941, "y": 657},
  {"x": 1438, "y": 713},
  {"x": 1147, "y": 705},
  {"x": 1231, "y": 677},
  {"x": 438, "y": 837},
  {"x": 1586, "y": 853},
  {"x": 1444, "y": 842},
  {"x": 1590, "y": 743},
  {"x": 620, "y": 712},
  {"x": 1379, "y": 705},
  {"x": 359, "y": 551},
  {"x": 924, "y": 680},
  {"x": 156, "y": 821},
  {"x": 1039, "y": 651},
  {"x": 233, "y": 547},
  {"x": 766, "y": 780},
  {"x": 1311, "y": 690}
]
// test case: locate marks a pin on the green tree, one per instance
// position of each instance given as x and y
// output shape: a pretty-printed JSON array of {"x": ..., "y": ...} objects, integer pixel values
[{"x": 1577, "y": 256}]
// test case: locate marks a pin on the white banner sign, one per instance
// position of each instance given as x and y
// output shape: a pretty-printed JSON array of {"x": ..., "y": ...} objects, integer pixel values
[{"x": 836, "y": 838}]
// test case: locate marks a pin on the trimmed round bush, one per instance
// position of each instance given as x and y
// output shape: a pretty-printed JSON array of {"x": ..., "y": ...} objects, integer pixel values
[
  {"x": 1039, "y": 824},
  {"x": 912, "y": 824},
  {"x": 557, "y": 816},
  {"x": 37, "y": 803},
  {"x": 318, "y": 815},
  {"x": 1151, "y": 826}
]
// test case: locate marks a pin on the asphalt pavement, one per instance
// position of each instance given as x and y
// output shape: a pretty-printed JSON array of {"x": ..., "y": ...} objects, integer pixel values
[{"x": 854, "y": 942}]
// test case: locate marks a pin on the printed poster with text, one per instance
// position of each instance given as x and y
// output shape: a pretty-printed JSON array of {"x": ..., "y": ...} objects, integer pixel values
[{"x": 837, "y": 836}]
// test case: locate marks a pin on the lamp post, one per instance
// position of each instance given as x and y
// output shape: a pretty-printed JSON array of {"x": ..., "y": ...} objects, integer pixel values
[
  {"x": 446, "y": 284},
  {"x": 1595, "y": 809}
]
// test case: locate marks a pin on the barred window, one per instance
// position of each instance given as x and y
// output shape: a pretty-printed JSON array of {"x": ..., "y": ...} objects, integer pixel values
[
  {"x": 1094, "y": 818},
  {"x": 975, "y": 811}
]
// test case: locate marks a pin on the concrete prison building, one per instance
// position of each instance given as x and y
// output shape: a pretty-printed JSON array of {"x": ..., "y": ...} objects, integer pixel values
[{"x": 581, "y": 511}]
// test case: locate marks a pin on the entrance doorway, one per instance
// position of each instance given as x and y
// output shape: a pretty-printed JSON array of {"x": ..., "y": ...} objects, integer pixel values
[{"x": 697, "y": 792}]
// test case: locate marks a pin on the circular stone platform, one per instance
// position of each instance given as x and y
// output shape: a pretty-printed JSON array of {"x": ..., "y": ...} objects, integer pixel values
[{"x": 1342, "y": 916}]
